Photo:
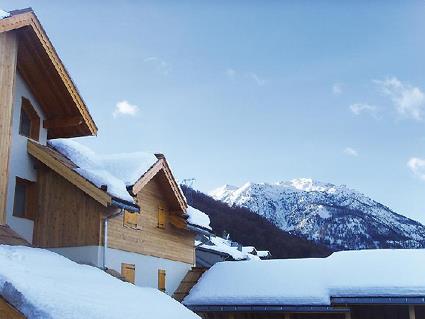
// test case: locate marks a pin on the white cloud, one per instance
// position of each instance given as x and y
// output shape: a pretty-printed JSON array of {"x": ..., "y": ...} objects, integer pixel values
[
  {"x": 408, "y": 100},
  {"x": 125, "y": 108},
  {"x": 256, "y": 78},
  {"x": 159, "y": 64},
  {"x": 351, "y": 152},
  {"x": 359, "y": 108},
  {"x": 417, "y": 167},
  {"x": 337, "y": 88}
]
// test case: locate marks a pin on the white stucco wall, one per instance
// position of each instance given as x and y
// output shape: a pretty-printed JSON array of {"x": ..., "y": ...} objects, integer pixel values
[
  {"x": 20, "y": 163},
  {"x": 146, "y": 266}
]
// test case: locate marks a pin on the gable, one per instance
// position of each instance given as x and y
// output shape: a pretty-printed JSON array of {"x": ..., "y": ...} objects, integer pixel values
[
  {"x": 46, "y": 76},
  {"x": 162, "y": 173}
]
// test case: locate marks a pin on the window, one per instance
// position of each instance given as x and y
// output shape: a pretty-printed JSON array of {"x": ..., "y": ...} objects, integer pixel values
[
  {"x": 131, "y": 220},
  {"x": 128, "y": 271},
  {"x": 162, "y": 216},
  {"x": 25, "y": 201},
  {"x": 29, "y": 124},
  {"x": 161, "y": 280}
]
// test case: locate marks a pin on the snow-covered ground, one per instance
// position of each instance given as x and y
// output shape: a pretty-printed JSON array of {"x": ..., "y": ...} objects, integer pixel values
[
  {"x": 42, "y": 284},
  {"x": 312, "y": 281},
  {"x": 116, "y": 171}
]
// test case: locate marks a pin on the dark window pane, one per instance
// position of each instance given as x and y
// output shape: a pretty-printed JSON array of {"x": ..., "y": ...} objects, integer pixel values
[
  {"x": 20, "y": 199},
  {"x": 25, "y": 124}
]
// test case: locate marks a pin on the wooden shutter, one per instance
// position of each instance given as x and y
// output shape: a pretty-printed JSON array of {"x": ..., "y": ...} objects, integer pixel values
[
  {"x": 131, "y": 220},
  {"x": 128, "y": 271},
  {"x": 162, "y": 216},
  {"x": 161, "y": 280}
]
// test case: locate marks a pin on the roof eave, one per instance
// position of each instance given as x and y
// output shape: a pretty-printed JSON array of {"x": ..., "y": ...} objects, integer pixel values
[{"x": 27, "y": 18}]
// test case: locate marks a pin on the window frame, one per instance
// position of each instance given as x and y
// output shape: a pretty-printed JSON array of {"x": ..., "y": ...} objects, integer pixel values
[
  {"x": 34, "y": 120},
  {"x": 30, "y": 199}
]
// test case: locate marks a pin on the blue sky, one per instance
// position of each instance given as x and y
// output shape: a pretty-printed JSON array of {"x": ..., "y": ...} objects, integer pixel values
[{"x": 248, "y": 91}]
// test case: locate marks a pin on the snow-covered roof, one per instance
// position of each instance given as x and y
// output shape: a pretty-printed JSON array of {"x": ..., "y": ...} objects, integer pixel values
[
  {"x": 367, "y": 273},
  {"x": 263, "y": 253},
  {"x": 116, "y": 171},
  {"x": 43, "y": 284},
  {"x": 222, "y": 245},
  {"x": 4, "y": 14},
  {"x": 198, "y": 218}
]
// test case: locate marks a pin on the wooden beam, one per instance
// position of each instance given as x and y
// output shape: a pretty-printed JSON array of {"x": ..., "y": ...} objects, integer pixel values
[
  {"x": 8, "y": 57},
  {"x": 137, "y": 187},
  {"x": 62, "y": 122},
  {"x": 412, "y": 314},
  {"x": 69, "y": 174}
]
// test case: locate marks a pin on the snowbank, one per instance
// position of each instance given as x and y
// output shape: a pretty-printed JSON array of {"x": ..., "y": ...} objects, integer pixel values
[
  {"x": 312, "y": 281},
  {"x": 198, "y": 218},
  {"x": 42, "y": 284},
  {"x": 116, "y": 171}
]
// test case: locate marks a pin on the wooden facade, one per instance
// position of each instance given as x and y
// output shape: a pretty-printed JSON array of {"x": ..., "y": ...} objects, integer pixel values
[
  {"x": 7, "y": 311},
  {"x": 67, "y": 217},
  {"x": 170, "y": 242},
  {"x": 8, "y": 57}
]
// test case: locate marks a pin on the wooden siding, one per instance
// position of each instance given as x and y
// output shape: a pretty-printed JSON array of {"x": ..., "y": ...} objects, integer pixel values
[
  {"x": 191, "y": 279},
  {"x": 170, "y": 243},
  {"x": 66, "y": 215},
  {"x": 10, "y": 237},
  {"x": 8, "y": 56},
  {"x": 7, "y": 311}
]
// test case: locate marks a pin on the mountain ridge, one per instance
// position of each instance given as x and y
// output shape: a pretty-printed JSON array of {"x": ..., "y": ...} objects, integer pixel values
[{"x": 333, "y": 215}]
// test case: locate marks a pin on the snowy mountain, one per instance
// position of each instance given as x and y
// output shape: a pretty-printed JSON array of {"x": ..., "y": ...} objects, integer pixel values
[{"x": 336, "y": 216}]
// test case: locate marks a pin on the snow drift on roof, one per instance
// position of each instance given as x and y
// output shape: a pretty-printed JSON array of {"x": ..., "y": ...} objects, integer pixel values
[
  {"x": 198, "y": 218},
  {"x": 43, "y": 284},
  {"x": 313, "y": 281},
  {"x": 117, "y": 171},
  {"x": 4, "y": 14},
  {"x": 225, "y": 246}
]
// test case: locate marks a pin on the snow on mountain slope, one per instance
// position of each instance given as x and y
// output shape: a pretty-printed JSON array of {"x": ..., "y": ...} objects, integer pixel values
[{"x": 336, "y": 216}]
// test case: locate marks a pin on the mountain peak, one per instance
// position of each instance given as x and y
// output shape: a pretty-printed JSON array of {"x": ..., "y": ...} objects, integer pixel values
[{"x": 337, "y": 216}]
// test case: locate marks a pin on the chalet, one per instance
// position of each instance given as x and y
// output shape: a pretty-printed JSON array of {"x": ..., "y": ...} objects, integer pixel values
[
  {"x": 122, "y": 213},
  {"x": 38, "y": 101},
  {"x": 146, "y": 233},
  {"x": 374, "y": 284}
]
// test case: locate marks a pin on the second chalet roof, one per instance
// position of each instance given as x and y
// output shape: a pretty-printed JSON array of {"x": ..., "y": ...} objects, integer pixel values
[
  {"x": 114, "y": 172},
  {"x": 312, "y": 281}
]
